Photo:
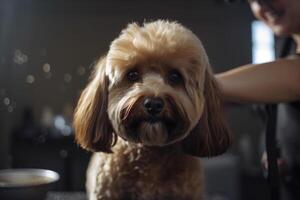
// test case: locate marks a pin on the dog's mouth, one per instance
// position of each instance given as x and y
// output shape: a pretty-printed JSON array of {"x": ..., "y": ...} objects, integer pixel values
[
  {"x": 153, "y": 120},
  {"x": 159, "y": 129},
  {"x": 152, "y": 131}
]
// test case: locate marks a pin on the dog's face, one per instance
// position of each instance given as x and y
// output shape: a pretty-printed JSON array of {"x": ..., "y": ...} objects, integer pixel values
[{"x": 153, "y": 87}]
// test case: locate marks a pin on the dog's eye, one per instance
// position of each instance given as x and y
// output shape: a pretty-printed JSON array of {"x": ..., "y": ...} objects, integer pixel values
[
  {"x": 133, "y": 75},
  {"x": 175, "y": 77}
]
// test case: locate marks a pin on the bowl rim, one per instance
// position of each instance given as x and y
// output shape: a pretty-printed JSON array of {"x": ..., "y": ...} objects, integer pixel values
[{"x": 54, "y": 176}]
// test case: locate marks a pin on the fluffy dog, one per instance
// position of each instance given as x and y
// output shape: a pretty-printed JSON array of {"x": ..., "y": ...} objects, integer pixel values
[{"x": 151, "y": 106}]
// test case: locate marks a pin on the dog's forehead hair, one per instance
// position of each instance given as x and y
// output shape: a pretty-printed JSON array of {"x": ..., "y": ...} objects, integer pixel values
[
  {"x": 159, "y": 40},
  {"x": 190, "y": 67}
]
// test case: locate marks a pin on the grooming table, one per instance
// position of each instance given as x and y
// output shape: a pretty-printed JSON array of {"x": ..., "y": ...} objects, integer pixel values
[
  {"x": 82, "y": 196},
  {"x": 66, "y": 196}
]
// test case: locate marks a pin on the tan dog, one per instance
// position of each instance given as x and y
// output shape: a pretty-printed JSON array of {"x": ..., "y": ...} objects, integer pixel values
[{"x": 151, "y": 106}]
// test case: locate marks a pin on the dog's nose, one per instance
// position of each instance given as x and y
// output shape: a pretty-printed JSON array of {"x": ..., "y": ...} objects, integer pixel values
[{"x": 153, "y": 105}]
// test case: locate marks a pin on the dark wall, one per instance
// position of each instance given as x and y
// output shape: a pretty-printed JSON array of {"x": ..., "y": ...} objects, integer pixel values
[{"x": 69, "y": 35}]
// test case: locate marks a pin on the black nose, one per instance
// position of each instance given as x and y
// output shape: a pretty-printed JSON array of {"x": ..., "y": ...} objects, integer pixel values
[{"x": 153, "y": 105}]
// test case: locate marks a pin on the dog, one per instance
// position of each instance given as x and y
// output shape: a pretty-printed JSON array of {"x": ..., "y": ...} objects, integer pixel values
[{"x": 151, "y": 108}]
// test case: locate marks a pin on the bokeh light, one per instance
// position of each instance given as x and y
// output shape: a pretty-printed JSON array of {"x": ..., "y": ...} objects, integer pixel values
[
  {"x": 30, "y": 79},
  {"x": 10, "y": 109},
  {"x": 59, "y": 122},
  {"x": 6, "y": 101},
  {"x": 81, "y": 71},
  {"x": 67, "y": 77},
  {"x": 19, "y": 57},
  {"x": 46, "y": 67}
]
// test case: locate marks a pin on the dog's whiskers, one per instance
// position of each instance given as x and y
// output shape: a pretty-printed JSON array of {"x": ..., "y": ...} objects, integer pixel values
[
  {"x": 126, "y": 114},
  {"x": 128, "y": 108}
]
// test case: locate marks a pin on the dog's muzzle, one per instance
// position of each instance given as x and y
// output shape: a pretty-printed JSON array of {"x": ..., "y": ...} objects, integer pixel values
[{"x": 154, "y": 121}]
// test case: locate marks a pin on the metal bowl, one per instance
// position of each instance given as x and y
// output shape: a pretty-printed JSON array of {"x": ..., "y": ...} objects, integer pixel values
[{"x": 25, "y": 184}]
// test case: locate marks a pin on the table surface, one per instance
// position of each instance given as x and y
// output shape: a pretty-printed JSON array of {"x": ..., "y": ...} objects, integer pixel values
[
  {"x": 66, "y": 196},
  {"x": 82, "y": 196}
]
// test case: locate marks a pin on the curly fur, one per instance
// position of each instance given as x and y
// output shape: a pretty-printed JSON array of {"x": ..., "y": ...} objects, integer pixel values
[{"x": 142, "y": 155}]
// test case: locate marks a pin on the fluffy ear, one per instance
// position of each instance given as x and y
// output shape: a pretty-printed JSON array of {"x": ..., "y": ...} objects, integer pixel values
[
  {"x": 211, "y": 136},
  {"x": 93, "y": 130}
]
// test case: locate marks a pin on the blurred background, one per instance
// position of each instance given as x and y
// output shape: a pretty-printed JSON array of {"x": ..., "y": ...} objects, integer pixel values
[{"x": 47, "y": 50}]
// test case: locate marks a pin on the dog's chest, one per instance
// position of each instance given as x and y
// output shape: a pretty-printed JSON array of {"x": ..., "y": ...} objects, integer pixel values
[{"x": 136, "y": 173}]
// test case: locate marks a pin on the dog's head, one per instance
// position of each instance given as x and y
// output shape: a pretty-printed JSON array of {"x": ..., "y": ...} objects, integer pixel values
[{"x": 154, "y": 87}]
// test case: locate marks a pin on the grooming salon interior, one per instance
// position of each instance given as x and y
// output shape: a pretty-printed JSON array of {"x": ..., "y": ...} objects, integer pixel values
[{"x": 48, "y": 50}]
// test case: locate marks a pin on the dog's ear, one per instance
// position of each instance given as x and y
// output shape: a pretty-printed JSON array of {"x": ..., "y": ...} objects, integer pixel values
[
  {"x": 211, "y": 136},
  {"x": 93, "y": 130}
]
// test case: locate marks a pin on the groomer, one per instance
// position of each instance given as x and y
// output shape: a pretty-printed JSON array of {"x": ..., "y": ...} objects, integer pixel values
[{"x": 275, "y": 82}]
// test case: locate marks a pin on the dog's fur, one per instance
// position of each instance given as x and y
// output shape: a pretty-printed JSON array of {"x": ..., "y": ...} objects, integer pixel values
[{"x": 141, "y": 156}]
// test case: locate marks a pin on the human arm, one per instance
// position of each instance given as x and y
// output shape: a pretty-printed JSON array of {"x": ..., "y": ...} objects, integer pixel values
[{"x": 272, "y": 82}]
